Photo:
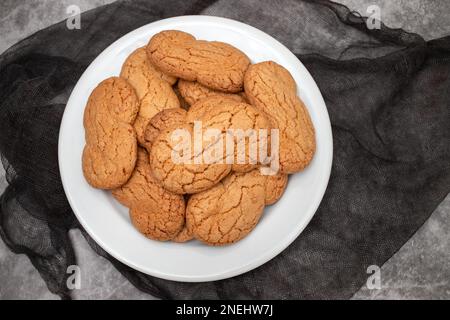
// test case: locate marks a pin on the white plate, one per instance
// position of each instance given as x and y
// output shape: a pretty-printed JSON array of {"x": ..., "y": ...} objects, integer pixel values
[{"x": 107, "y": 222}]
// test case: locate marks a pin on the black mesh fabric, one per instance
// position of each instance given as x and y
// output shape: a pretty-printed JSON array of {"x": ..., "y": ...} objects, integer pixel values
[{"x": 388, "y": 96}]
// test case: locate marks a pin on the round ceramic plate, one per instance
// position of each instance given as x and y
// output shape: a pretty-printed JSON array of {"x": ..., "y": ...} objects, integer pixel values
[{"x": 107, "y": 222}]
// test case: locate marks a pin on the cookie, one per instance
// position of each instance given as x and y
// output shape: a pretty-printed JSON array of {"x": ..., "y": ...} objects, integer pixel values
[
  {"x": 142, "y": 187},
  {"x": 271, "y": 88},
  {"x": 225, "y": 113},
  {"x": 154, "y": 211},
  {"x": 227, "y": 212},
  {"x": 109, "y": 155},
  {"x": 156, "y": 221},
  {"x": 214, "y": 64},
  {"x": 235, "y": 122},
  {"x": 190, "y": 173},
  {"x": 152, "y": 88},
  {"x": 137, "y": 65},
  {"x": 275, "y": 186},
  {"x": 183, "y": 103},
  {"x": 193, "y": 92},
  {"x": 165, "y": 119},
  {"x": 184, "y": 236}
]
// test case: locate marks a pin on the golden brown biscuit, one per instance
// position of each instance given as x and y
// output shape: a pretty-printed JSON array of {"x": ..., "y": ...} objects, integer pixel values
[
  {"x": 184, "y": 236},
  {"x": 225, "y": 113},
  {"x": 244, "y": 97},
  {"x": 110, "y": 153},
  {"x": 165, "y": 119},
  {"x": 188, "y": 173},
  {"x": 142, "y": 187},
  {"x": 275, "y": 186},
  {"x": 193, "y": 92},
  {"x": 154, "y": 93},
  {"x": 162, "y": 213},
  {"x": 214, "y": 64},
  {"x": 227, "y": 212},
  {"x": 137, "y": 65},
  {"x": 183, "y": 102},
  {"x": 206, "y": 166},
  {"x": 156, "y": 222},
  {"x": 271, "y": 88}
]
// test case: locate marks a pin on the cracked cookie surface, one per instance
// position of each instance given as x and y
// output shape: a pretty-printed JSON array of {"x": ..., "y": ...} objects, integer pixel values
[
  {"x": 153, "y": 89},
  {"x": 206, "y": 166},
  {"x": 183, "y": 103},
  {"x": 109, "y": 155},
  {"x": 142, "y": 187},
  {"x": 214, "y": 64},
  {"x": 227, "y": 212},
  {"x": 156, "y": 222},
  {"x": 137, "y": 65},
  {"x": 225, "y": 113},
  {"x": 162, "y": 213},
  {"x": 189, "y": 174},
  {"x": 192, "y": 92},
  {"x": 275, "y": 186},
  {"x": 165, "y": 119},
  {"x": 271, "y": 88},
  {"x": 184, "y": 236}
]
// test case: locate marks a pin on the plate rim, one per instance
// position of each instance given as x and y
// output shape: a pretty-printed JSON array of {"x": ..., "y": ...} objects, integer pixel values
[{"x": 256, "y": 262}]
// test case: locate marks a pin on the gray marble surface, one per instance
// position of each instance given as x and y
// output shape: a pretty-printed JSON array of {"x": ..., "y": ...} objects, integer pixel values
[{"x": 419, "y": 270}]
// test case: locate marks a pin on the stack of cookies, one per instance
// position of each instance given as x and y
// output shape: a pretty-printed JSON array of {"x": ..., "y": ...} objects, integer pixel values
[{"x": 178, "y": 87}]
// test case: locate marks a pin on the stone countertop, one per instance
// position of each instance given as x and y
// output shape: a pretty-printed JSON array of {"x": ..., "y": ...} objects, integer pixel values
[{"x": 419, "y": 270}]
